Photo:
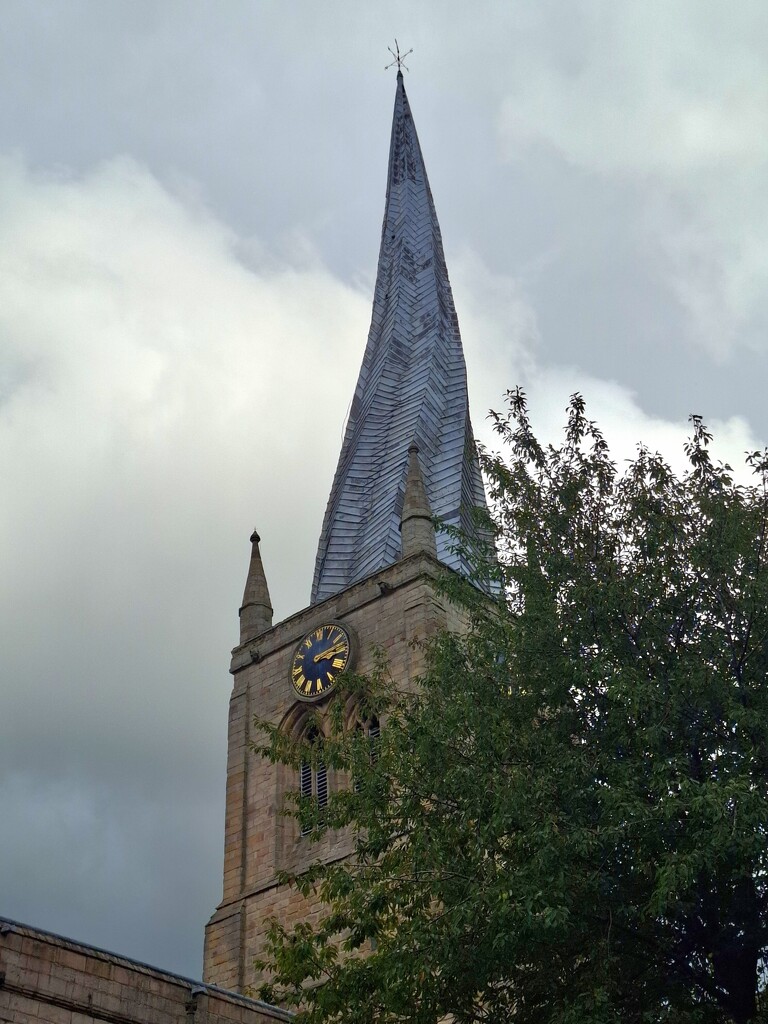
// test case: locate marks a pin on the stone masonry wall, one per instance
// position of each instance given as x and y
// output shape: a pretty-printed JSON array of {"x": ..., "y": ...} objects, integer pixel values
[{"x": 46, "y": 979}]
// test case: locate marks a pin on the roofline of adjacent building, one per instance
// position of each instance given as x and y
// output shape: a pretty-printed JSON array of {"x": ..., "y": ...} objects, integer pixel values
[{"x": 29, "y": 931}]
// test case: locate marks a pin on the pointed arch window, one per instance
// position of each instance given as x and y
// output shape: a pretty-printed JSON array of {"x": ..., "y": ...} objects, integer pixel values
[{"x": 313, "y": 777}]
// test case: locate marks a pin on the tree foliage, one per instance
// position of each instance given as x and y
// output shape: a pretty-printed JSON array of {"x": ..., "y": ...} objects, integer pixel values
[{"x": 567, "y": 821}]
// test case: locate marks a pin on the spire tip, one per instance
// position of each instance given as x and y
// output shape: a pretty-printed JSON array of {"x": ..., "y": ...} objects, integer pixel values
[{"x": 399, "y": 59}]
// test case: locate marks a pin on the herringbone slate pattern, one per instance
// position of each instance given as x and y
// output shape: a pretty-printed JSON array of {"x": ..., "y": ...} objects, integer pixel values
[{"x": 412, "y": 387}]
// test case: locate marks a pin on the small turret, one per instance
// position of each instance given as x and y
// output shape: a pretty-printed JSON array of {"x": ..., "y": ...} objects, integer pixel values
[
  {"x": 256, "y": 610},
  {"x": 416, "y": 527}
]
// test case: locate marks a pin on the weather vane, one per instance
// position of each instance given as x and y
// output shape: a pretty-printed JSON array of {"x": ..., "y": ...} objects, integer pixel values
[{"x": 399, "y": 58}]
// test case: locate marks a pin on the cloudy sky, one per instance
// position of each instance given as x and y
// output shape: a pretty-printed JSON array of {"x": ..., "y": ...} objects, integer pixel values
[{"x": 191, "y": 197}]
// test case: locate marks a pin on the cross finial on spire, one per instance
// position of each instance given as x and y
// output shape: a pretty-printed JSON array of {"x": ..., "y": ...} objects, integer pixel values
[{"x": 399, "y": 58}]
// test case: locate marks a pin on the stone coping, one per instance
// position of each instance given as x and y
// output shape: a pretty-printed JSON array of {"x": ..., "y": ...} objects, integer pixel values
[{"x": 26, "y": 931}]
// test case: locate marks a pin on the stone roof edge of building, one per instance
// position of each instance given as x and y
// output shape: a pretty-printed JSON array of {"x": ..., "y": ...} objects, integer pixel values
[{"x": 29, "y": 931}]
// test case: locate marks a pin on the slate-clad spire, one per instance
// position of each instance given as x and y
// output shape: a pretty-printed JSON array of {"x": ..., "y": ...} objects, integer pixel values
[{"x": 412, "y": 388}]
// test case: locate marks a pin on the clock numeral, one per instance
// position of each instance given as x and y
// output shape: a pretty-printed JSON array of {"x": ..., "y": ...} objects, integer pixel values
[{"x": 338, "y": 662}]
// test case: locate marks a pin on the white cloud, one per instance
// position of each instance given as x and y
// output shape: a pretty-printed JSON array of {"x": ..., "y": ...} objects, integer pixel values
[
  {"x": 625, "y": 424},
  {"x": 499, "y": 330},
  {"x": 504, "y": 349},
  {"x": 673, "y": 99},
  {"x": 646, "y": 87},
  {"x": 158, "y": 399},
  {"x": 150, "y": 364}
]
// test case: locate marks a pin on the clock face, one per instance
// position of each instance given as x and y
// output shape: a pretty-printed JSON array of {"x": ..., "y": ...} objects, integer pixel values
[{"x": 321, "y": 655}]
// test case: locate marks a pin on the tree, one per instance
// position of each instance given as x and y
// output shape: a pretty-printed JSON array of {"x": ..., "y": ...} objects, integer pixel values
[{"x": 567, "y": 821}]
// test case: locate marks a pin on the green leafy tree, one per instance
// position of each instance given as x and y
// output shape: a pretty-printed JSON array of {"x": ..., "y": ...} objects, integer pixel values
[{"x": 567, "y": 821}]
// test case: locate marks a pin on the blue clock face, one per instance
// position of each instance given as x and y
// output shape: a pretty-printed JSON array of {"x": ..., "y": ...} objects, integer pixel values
[{"x": 320, "y": 657}]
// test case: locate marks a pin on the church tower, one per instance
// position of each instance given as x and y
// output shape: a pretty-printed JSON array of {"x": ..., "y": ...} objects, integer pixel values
[{"x": 408, "y": 454}]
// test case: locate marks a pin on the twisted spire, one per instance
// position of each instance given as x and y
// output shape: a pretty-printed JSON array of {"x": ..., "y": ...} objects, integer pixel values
[{"x": 412, "y": 387}]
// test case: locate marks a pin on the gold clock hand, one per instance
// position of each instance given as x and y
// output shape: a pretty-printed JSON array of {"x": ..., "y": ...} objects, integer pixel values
[{"x": 329, "y": 653}]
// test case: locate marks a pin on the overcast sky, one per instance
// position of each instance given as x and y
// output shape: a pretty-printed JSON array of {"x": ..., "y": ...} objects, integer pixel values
[{"x": 191, "y": 197}]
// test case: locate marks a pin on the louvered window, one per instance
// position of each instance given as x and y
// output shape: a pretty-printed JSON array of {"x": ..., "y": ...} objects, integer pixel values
[
  {"x": 305, "y": 779},
  {"x": 313, "y": 781},
  {"x": 321, "y": 785}
]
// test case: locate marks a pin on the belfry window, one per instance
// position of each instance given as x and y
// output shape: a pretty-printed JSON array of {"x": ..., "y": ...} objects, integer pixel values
[{"x": 313, "y": 778}]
